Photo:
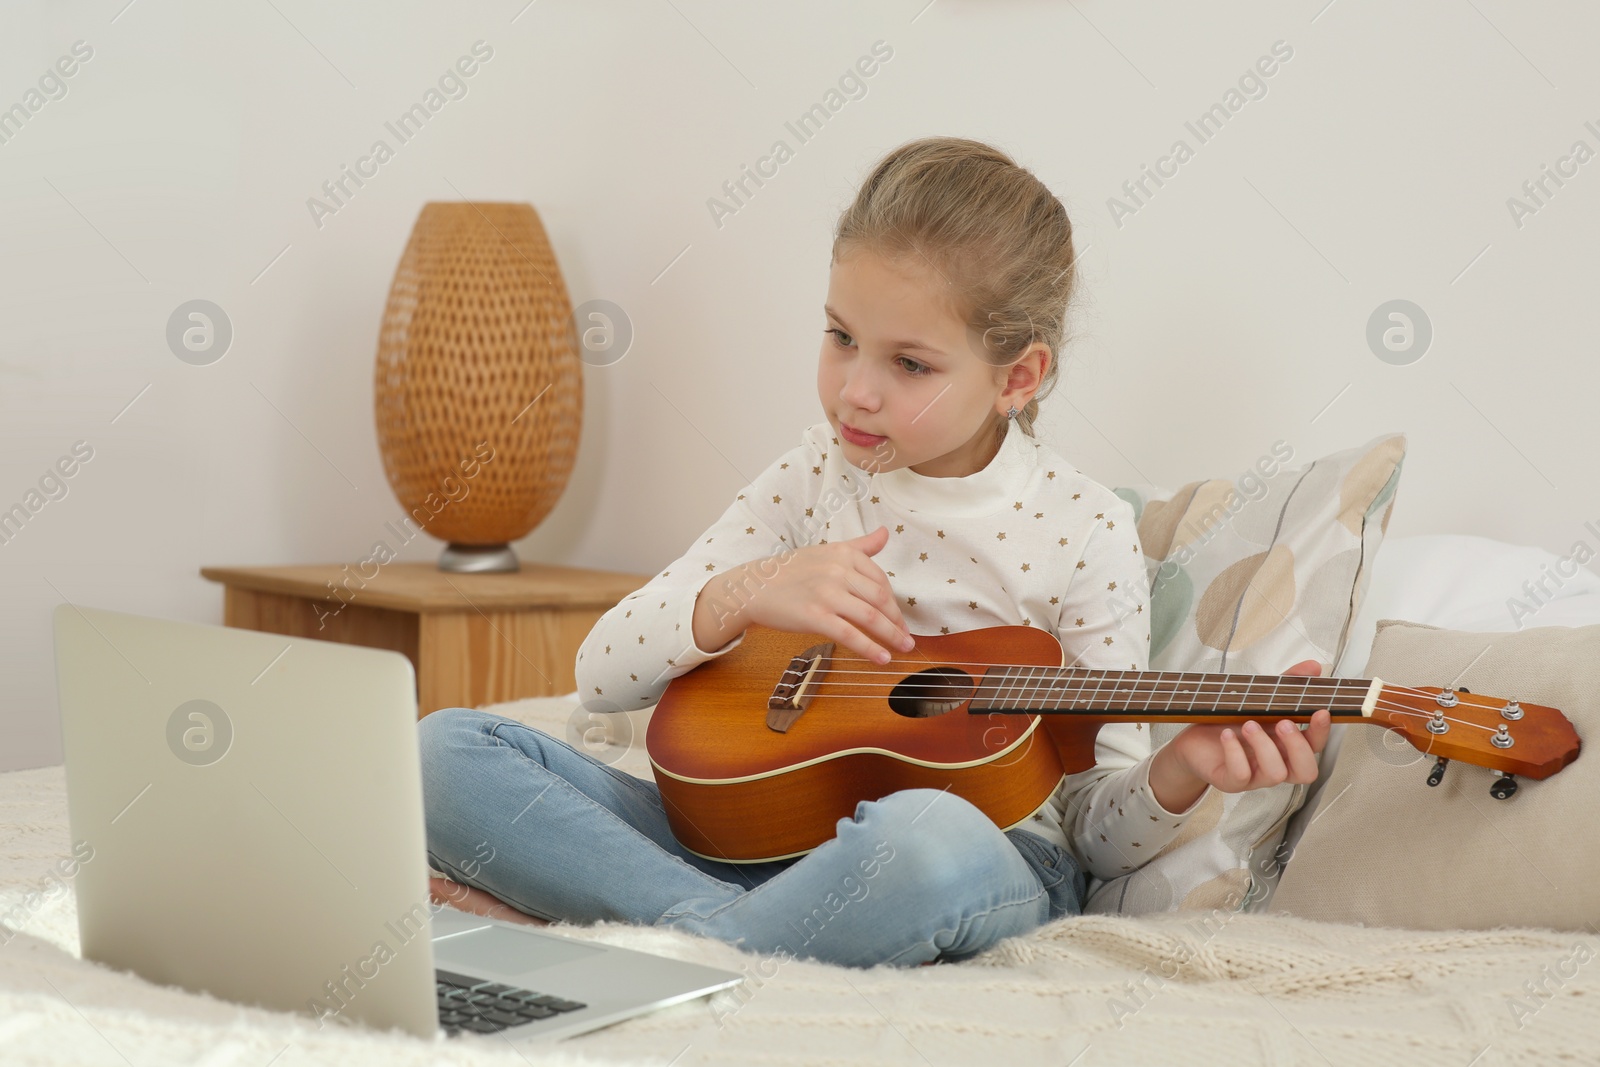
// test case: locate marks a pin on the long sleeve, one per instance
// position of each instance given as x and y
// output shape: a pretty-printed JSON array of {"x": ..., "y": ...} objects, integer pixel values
[
  {"x": 647, "y": 639},
  {"x": 1112, "y": 818}
]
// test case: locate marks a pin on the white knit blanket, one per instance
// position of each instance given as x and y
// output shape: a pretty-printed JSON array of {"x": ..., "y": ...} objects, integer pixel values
[{"x": 1196, "y": 987}]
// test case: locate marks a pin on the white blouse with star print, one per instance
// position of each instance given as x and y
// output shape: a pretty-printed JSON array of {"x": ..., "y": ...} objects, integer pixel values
[{"x": 1028, "y": 540}]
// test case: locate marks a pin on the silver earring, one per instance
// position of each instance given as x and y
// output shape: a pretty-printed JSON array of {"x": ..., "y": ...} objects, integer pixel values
[{"x": 1012, "y": 413}]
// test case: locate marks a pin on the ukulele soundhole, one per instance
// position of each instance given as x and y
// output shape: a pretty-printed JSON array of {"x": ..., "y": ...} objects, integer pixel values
[{"x": 931, "y": 692}]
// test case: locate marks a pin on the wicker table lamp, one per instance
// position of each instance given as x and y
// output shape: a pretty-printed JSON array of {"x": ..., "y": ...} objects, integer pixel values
[{"x": 479, "y": 388}]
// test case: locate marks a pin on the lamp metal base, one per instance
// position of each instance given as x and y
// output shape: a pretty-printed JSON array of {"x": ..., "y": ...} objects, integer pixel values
[{"x": 478, "y": 559}]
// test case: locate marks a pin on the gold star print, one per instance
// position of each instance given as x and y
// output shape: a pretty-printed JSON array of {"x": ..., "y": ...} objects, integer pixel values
[
  {"x": 1076, "y": 495},
  {"x": 1024, "y": 566},
  {"x": 783, "y": 466},
  {"x": 672, "y": 663},
  {"x": 776, "y": 499},
  {"x": 911, "y": 601},
  {"x": 635, "y": 677},
  {"x": 1062, "y": 541},
  {"x": 662, "y": 604},
  {"x": 749, "y": 529},
  {"x": 1112, "y": 586},
  {"x": 973, "y": 604},
  {"x": 711, "y": 566},
  {"x": 625, "y": 614},
  {"x": 665, "y": 573},
  {"x": 1054, "y": 599},
  {"x": 835, "y": 440},
  {"x": 1139, "y": 610},
  {"x": 939, "y": 532},
  {"x": 874, "y": 500},
  {"x": 900, "y": 528},
  {"x": 1110, "y": 525},
  {"x": 1050, "y": 474},
  {"x": 999, "y": 536},
  {"x": 1108, "y": 640},
  {"x": 950, "y": 581},
  {"x": 944, "y": 629},
  {"x": 1038, "y": 514},
  {"x": 597, "y": 691},
  {"x": 825, "y": 455},
  {"x": 1080, "y": 622},
  {"x": 889, "y": 573},
  {"x": 1081, "y": 565},
  {"x": 1099, "y": 514},
  {"x": 1017, "y": 506},
  {"x": 816, "y": 470},
  {"x": 808, "y": 513},
  {"x": 608, "y": 650},
  {"x": 1027, "y": 621},
  {"x": 923, "y": 556},
  {"x": 641, "y": 639},
  {"x": 708, "y": 540},
  {"x": 741, "y": 496}
]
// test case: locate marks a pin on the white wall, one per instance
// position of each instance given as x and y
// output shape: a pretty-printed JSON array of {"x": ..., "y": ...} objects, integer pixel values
[{"x": 1225, "y": 314}]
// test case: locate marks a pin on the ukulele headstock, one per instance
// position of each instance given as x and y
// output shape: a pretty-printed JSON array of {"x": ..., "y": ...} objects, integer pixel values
[{"x": 1505, "y": 735}]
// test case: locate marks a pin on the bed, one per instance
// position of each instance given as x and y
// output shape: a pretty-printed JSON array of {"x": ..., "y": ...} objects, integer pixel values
[{"x": 1194, "y": 986}]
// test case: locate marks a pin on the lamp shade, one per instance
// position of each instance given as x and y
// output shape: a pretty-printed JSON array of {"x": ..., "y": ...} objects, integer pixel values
[{"x": 478, "y": 383}]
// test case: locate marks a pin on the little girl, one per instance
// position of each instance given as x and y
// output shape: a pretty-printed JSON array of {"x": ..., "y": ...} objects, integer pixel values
[{"x": 923, "y": 504}]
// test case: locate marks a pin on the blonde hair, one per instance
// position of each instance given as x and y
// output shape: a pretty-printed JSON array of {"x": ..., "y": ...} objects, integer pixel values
[{"x": 995, "y": 233}]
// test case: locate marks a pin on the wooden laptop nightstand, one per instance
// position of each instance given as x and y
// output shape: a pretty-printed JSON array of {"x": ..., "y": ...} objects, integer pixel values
[{"x": 474, "y": 638}]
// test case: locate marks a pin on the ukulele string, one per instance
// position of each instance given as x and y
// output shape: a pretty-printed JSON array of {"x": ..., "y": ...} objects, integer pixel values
[
  {"x": 1310, "y": 683},
  {"x": 1029, "y": 689}
]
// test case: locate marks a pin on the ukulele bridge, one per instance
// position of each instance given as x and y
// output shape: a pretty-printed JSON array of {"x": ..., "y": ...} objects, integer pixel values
[{"x": 794, "y": 691}]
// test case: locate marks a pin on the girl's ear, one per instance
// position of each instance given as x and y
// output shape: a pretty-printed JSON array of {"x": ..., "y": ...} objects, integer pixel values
[{"x": 1025, "y": 374}]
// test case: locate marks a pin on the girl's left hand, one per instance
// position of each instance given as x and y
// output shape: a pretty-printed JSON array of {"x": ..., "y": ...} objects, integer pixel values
[{"x": 1214, "y": 754}]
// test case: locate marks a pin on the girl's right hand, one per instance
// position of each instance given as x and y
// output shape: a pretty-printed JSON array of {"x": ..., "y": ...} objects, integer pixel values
[{"x": 835, "y": 590}]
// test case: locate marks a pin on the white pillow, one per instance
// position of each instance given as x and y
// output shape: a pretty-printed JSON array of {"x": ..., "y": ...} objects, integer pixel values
[{"x": 1457, "y": 582}]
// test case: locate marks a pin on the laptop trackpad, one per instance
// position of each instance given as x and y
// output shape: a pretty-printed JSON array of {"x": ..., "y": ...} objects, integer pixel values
[{"x": 506, "y": 951}]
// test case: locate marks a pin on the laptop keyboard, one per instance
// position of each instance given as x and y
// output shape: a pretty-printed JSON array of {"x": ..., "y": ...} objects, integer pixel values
[{"x": 484, "y": 1007}]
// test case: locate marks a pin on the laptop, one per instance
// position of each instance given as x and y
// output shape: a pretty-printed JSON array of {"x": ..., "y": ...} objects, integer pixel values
[{"x": 247, "y": 809}]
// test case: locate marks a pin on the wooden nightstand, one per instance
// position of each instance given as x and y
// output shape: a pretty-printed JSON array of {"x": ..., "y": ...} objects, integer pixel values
[{"x": 474, "y": 638}]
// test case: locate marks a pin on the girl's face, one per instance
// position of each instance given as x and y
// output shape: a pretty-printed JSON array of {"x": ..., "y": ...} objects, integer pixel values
[{"x": 899, "y": 365}]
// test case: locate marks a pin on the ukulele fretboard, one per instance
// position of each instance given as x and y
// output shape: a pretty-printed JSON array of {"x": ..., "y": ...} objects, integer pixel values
[{"x": 1175, "y": 695}]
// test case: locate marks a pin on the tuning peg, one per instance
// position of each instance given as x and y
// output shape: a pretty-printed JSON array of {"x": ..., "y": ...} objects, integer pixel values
[
  {"x": 1436, "y": 775},
  {"x": 1503, "y": 788}
]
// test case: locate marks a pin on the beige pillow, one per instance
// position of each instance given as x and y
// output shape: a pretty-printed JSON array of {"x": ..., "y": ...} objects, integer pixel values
[
  {"x": 1385, "y": 849},
  {"x": 1250, "y": 576}
]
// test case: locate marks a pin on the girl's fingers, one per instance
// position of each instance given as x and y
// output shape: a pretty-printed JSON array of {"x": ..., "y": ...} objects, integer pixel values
[
  {"x": 882, "y": 595},
  {"x": 1235, "y": 762},
  {"x": 1268, "y": 758},
  {"x": 1320, "y": 729},
  {"x": 872, "y": 622},
  {"x": 1302, "y": 761}
]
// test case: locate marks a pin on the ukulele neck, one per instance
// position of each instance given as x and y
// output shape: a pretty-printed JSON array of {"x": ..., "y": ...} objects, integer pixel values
[{"x": 1178, "y": 696}]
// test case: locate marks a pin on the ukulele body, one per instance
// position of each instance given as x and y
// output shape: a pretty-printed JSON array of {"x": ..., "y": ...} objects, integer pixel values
[{"x": 738, "y": 790}]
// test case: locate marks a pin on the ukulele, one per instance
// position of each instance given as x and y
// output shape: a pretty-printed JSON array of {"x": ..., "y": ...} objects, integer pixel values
[{"x": 760, "y": 752}]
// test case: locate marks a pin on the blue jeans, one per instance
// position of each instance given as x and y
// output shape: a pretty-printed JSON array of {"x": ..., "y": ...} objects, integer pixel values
[{"x": 917, "y": 875}]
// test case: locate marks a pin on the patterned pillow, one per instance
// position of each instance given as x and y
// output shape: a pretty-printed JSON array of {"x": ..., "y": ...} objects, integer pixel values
[{"x": 1250, "y": 576}]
